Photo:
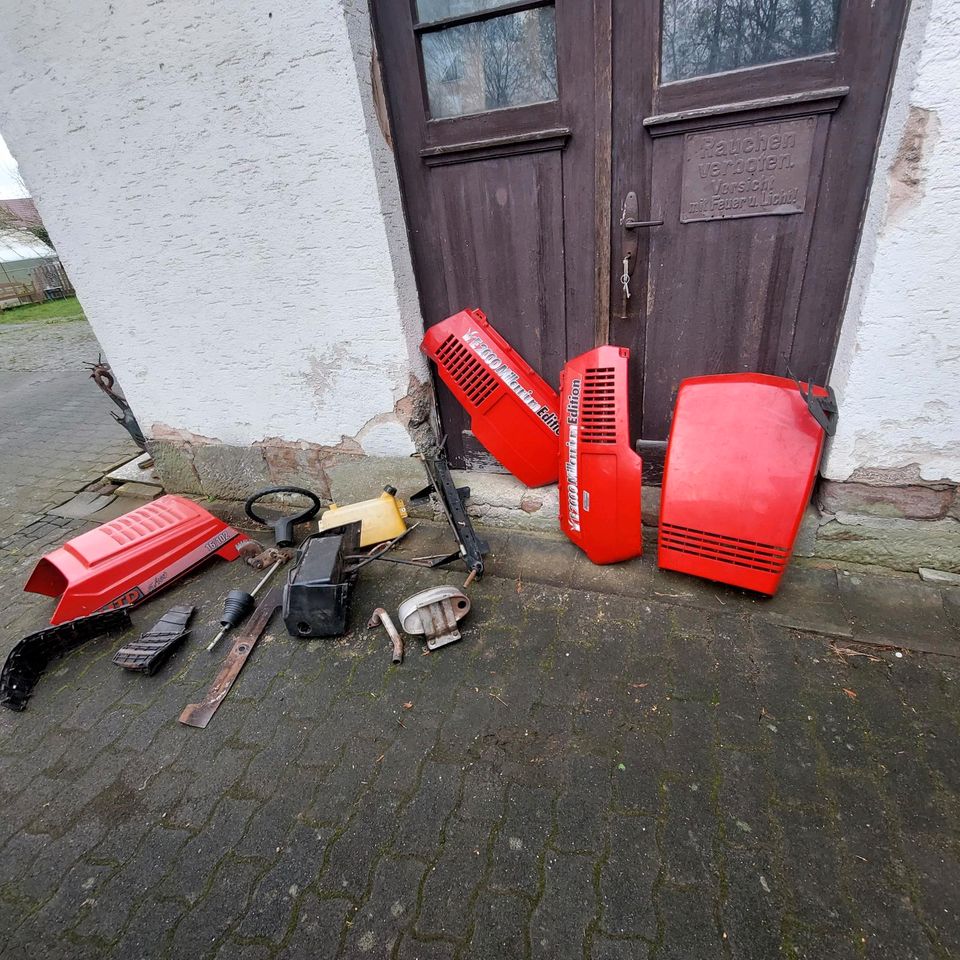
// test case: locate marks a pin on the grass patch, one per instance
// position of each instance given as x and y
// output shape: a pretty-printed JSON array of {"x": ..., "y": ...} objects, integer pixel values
[{"x": 52, "y": 310}]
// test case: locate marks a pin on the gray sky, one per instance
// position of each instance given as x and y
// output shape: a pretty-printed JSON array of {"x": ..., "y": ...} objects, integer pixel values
[{"x": 9, "y": 184}]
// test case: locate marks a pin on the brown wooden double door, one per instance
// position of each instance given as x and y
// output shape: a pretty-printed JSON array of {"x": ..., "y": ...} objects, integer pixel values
[{"x": 683, "y": 177}]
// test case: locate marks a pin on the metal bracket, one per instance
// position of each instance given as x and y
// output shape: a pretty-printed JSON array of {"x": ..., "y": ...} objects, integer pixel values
[
  {"x": 823, "y": 409},
  {"x": 472, "y": 547},
  {"x": 435, "y": 613}
]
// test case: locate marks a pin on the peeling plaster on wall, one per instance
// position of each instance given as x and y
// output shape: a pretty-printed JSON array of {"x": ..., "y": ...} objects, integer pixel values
[
  {"x": 907, "y": 172},
  {"x": 898, "y": 359},
  {"x": 232, "y": 224}
]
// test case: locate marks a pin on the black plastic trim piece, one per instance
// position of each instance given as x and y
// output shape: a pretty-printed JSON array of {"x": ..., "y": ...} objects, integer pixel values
[{"x": 29, "y": 658}]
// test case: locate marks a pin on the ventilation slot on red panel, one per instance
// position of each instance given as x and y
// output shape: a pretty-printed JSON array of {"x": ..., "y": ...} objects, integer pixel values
[
  {"x": 598, "y": 407},
  {"x": 150, "y": 518},
  {"x": 469, "y": 373},
  {"x": 713, "y": 546}
]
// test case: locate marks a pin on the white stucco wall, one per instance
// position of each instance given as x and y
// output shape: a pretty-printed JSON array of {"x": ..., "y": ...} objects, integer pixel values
[
  {"x": 230, "y": 218},
  {"x": 897, "y": 370}
]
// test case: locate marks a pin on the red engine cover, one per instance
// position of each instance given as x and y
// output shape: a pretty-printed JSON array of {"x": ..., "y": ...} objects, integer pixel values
[
  {"x": 513, "y": 412},
  {"x": 599, "y": 474},
  {"x": 121, "y": 562},
  {"x": 741, "y": 462}
]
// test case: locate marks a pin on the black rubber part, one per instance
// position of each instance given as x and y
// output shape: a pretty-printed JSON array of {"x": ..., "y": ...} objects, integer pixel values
[
  {"x": 236, "y": 607},
  {"x": 147, "y": 653},
  {"x": 283, "y": 526},
  {"x": 29, "y": 658}
]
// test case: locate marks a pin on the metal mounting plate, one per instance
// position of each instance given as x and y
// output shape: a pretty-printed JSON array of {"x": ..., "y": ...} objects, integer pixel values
[{"x": 435, "y": 613}]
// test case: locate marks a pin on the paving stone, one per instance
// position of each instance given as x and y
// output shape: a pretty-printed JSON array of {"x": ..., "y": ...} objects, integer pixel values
[
  {"x": 627, "y": 878},
  {"x": 275, "y": 897},
  {"x": 83, "y": 505},
  {"x": 272, "y": 822},
  {"x": 449, "y": 884},
  {"x": 603, "y": 948},
  {"x": 501, "y": 928},
  {"x": 519, "y": 843},
  {"x": 319, "y": 927},
  {"x": 422, "y": 820},
  {"x": 412, "y": 949},
  {"x": 812, "y": 872},
  {"x": 899, "y": 612},
  {"x": 150, "y": 930},
  {"x": 222, "y": 905},
  {"x": 355, "y": 852},
  {"x": 752, "y": 909},
  {"x": 568, "y": 905},
  {"x": 381, "y": 920},
  {"x": 139, "y": 491},
  {"x": 118, "y": 896},
  {"x": 808, "y": 599},
  {"x": 584, "y": 800},
  {"x": 689, "y": 926},
  {"x": 743, "y": 797},
  {"x": 689, "y": 833},
  {"x": 935, "y": 868}
]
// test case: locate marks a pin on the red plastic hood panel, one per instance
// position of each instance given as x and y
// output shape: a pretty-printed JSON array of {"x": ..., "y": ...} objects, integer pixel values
[
  {"x": 741, "y": 463},
  {"x": 513, "y": 412},
  {"x": 123, "y": 561},
  {"x": 600, "y": 475}
]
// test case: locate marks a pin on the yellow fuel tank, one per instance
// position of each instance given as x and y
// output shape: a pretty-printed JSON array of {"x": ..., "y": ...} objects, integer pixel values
[{"x": 382, "y": 518}]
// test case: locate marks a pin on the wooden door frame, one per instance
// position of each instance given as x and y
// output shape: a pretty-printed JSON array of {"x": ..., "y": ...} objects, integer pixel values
[
  {"x": 818, "y": 83},
  {"x": 630, "y": 108},
  {"x": 573, "y": 123}
]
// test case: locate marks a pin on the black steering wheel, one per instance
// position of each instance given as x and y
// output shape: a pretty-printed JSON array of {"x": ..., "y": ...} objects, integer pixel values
[{"x": 283, "y": 526}]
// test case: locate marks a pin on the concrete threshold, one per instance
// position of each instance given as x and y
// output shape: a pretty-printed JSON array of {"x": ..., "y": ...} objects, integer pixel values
[
  {"x": 500, "y": 500},
  {"x": 849, "y": 603}
]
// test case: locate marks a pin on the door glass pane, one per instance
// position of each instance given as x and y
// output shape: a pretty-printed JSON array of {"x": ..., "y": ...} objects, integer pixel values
[
  {"x": 428, "y": 10},
  {"x": 712, "y": 36},
  {"x": 491, "y": 64}
]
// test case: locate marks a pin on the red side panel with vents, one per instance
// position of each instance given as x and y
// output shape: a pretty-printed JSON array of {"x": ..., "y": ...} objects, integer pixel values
[
  {"x": 599, "y": 472},
  {"x": 740, "y": 467},
  {"x": 513, "y": 412},
  {"x": 123, "y": 561}
]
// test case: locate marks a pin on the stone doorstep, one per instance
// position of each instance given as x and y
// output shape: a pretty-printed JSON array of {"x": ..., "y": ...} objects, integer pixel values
[
  {"x": 499, "y": 500},
  {"x": 847, "y": 602}
]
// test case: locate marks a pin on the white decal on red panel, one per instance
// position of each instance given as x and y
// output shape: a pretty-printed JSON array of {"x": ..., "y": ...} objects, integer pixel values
[
  {"x": 570, "y": 466},
  {"x": 511, "y": 378}
]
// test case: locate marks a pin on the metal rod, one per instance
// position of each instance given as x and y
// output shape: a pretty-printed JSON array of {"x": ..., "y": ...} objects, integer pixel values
[
  {"x": 253, "y": 593},
  {"x": 266, "y": 577}
]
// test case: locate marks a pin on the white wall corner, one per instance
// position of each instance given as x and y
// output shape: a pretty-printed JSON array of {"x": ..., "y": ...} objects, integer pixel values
[
  {"x": 376, "y": 115},
  {"x": 898, "y": 356},
  {"x": 231, "y": 224}
]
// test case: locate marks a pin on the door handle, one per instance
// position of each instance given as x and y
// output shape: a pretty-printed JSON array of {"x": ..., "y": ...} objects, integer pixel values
[
  {"x": 629, "y": 222},
  {"x": 630, "y": 212},
  {"x": 638, "y": 224}
]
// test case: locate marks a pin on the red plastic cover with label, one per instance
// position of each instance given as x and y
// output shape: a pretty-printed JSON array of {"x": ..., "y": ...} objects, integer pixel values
[
  {"x": 741, "y": 463},
  {"x": 513, "y": 411},
  {"x": 123, "y": 561},
  {"x": 600, "y": 475}
]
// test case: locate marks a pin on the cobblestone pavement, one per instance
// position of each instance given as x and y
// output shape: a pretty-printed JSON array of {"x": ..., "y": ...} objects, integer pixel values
[
  {"x": 56, "y": 434},
  {"x": 587, "y": 774},
  {"x": 612, "y": 764}
]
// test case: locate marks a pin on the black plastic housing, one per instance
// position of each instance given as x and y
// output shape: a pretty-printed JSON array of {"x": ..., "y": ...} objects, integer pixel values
[{"x": 316, "y": 595}]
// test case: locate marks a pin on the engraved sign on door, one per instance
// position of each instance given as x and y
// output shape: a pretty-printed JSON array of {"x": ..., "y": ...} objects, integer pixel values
[{"x": 752, "y": 170}]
